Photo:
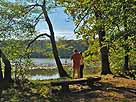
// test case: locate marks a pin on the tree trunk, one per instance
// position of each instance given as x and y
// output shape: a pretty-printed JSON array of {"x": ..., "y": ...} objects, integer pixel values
[
  {"x": 104, "y": 49},
  {"x": 1, "y": 75},
  {"x": 126, "y": 57},
  {"x": 126, "y": 34},
  {"x": 7, "y": 71},
  {"x": 62, "y": 72},
  {"x": 104, "y": 54}
]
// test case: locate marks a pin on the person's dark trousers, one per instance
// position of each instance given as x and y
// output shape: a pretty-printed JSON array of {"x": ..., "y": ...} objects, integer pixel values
[{"x": 81, "y": 71}]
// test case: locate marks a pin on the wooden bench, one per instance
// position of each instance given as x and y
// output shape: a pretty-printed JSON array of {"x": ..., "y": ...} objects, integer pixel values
[{"x": 65, "y": 83}]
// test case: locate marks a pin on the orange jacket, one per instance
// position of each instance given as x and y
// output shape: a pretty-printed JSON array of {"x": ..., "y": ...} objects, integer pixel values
[{"x": 76, "y": 60}]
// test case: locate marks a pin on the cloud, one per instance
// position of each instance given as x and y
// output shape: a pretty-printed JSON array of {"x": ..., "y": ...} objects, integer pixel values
[{"x": 67, "y": 34}]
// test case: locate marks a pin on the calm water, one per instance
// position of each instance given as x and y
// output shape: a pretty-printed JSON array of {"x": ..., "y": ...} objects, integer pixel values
[
  {"x": 50, "y": 61},
  {"x": 47, "y": 61},
  {"x": 44, "y": 77}
]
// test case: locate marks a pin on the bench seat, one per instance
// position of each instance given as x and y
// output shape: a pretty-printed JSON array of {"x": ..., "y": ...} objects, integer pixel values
[{"x": 65, "y": 83}]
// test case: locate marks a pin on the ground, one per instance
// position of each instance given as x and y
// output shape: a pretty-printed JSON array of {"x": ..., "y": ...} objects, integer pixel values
[{"x": 109, "y": 89}]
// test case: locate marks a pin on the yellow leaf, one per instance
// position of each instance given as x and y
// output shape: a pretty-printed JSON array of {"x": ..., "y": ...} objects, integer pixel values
[{"x": 61, "y": 1}]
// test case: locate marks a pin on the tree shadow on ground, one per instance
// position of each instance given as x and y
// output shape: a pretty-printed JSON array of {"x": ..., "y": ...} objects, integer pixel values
[
  {"x": 100, "y": 91},
  {"x": 128, "y": 92},
  {"x": 20, "y": 93}
]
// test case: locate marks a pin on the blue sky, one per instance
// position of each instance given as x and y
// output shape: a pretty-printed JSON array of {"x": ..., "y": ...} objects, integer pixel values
[{"x": 62, "y": 24}]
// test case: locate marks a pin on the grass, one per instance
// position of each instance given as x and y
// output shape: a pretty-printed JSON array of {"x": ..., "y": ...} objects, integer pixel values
[{"x": 109, "y": 89}]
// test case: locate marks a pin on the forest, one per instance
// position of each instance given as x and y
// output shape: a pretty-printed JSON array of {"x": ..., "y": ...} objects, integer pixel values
[
  {"x": 43, "y": 49},
  {"x": 106, "y": 35},
  {"x": 65, "y": 48}
]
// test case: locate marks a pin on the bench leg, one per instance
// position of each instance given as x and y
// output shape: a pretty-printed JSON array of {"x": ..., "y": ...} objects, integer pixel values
[
  {"x": 90, "y": 84},
  {"x": 65, "y": 88},
  {"x": 50, "y": 90}
]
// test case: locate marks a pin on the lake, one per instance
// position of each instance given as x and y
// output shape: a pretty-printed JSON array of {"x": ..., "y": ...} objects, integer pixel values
[{"x": 47, "y": 62}]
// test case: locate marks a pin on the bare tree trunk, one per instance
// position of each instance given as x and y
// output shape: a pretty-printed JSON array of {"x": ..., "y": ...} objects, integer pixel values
[
  {"x": 62, "y": 72},
  {"x": 57, "y": 59}
]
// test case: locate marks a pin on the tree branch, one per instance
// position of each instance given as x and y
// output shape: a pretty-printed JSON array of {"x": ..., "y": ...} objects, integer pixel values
[
  {"x": 37, "y": 38},
  {"x": 37, "y": 19},
  {"x": 118, "y": 27},
  {"x": 44, "y": 2},
  {"x": 29, "y": 10},
  {"x": 31, "y": 7},
  {"x": 81, "y": 19}
]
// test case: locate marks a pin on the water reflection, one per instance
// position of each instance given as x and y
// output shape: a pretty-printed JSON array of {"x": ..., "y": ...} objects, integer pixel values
[
  {"x": 43, "y": 74},
  {"x": 44, "y": 77},
  {"x": 45, "y": 68},
  {"x": 50, "y": 61}
]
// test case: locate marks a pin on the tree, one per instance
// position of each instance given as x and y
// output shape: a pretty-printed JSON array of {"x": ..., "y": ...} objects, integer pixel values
[
  {"x": 33, "y": 13},
  {"x": 10, "y": 30},
  {"x": 113, "y": 21},
  {"x": 123, "y": 31},
  {"x": 127, "y": 11},
  {"x": 89, "y": 18},
  {"x": 104, "y": 49}
]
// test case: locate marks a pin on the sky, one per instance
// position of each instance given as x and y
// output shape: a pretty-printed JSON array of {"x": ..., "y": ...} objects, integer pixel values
[{"x": 62, "y": 24}]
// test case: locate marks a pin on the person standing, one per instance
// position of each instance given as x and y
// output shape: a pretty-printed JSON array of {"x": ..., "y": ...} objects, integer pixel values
[
  {"x": 76, "y": 57},
  {"x": 81, "y": 65}
]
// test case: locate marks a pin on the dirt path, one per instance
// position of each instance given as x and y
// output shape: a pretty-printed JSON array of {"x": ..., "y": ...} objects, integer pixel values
[{"x": 109, "y": 89}]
